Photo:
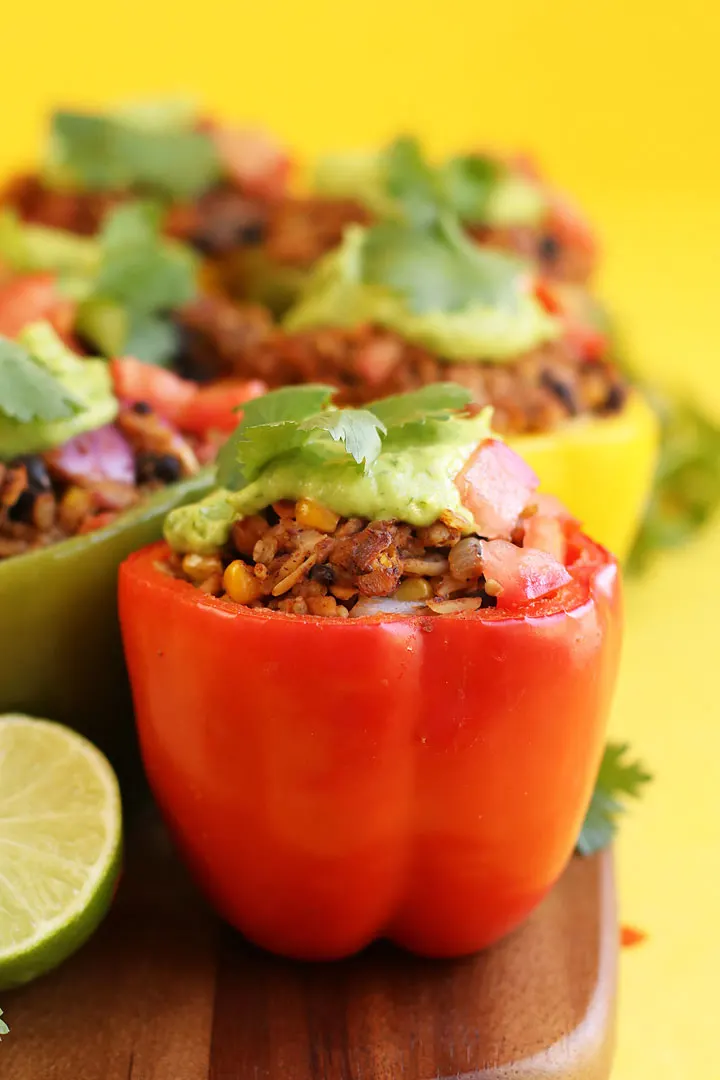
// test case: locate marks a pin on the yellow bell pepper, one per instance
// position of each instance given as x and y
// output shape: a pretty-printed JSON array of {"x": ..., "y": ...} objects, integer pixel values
[{"x": 602, "y": 469}]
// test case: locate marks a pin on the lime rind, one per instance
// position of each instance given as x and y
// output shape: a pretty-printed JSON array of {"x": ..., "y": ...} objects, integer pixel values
[{"x": 69, "y": 781}]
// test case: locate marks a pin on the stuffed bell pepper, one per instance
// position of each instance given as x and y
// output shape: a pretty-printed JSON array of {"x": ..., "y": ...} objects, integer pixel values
[
  {"x": 398, "y": 306},
  {"x": 371, "y": 674},
  {"x": 215, "y": 182},
  {"x": 92, "y": 456},
  {"x": 502, "y": 203}
]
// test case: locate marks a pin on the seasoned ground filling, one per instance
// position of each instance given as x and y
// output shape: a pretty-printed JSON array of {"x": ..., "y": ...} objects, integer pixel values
[
  {"x": 534, "y": 393},
  {"x": 303, "y": 559},
  {"x": 46, "y": 498},
  {"x": 79, "y": 212},
  {"x": 293, "y": 232}
]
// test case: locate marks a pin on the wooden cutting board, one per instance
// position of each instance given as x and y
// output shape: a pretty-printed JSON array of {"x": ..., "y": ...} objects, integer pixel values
[{"x": 165, "y": 992}]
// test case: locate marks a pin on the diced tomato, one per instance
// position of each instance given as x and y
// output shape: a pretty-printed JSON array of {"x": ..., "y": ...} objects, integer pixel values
[
  {"x": 27, "y": 299},
  {"x": 548, "y": 297},
  {"x": 214, "y": 408},
  {"x": 376, "y": 360},
  {"x": 97, "y": 521},
  {"x": 569, "y": 226},
  {"x": 254, "y": 161},
  {"x": 164, "y": 391},
  {"x": 495, "y": 485},
  {"x": 550, "y": 506},
  {"x": 588, "y": 342},
  {"x": 546, "y": 534},
  {"x": 522, "y": 573}
]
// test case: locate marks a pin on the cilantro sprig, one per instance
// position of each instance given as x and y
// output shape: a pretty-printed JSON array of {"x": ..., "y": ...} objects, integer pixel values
[
  {"x": 122, "y": 151},
  {"x": 400, "y": 182},
  {"x": 438, "y": 269},
  {"x": 301, "y": 418},
  {"x": 141, "y": 278},
  {"x": 28, "y": 390},
  {"x": 686, "y": 492},
  {"x": 619, "y": 779}
]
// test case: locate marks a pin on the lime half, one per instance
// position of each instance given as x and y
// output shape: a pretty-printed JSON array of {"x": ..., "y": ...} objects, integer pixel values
[{"x": 60, "y": 844}]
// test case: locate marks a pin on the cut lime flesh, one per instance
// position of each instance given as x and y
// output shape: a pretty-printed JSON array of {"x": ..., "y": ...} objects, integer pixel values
[{"x": 60, "y": 844}]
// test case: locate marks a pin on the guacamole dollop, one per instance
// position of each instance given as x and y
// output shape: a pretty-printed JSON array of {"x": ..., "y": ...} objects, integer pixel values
[
  {"x": 49, "y": 394},
  {"x": 432, "y": 286},
  {"x": 408, "y": 476}
]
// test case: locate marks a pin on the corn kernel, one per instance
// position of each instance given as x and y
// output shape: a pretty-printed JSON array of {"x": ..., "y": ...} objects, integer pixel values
[
  {"x": 200, "y": 567},
  {"x": 414, "y": 589},
  {"x": 492, "y": 587},
  {"x": 343, "y": 592},
  {"x": 323, "y": 606},
  {"x": 312, "y": 515},
  {"x": 240, "y": 583}
]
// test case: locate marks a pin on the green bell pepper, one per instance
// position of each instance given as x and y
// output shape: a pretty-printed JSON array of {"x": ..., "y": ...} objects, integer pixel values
[{"x": 61, "y": 653}]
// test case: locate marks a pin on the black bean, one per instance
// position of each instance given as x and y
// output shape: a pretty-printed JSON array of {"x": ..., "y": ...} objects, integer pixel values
[
  {"x": 223, "y": 234},
  {"x": 323, "y": 573},
  {"x": 163, "y": 467},
  {"x": 549, "y": 248},
  {"x": 615, "y": 399},
  {"x": 36, "y": 469},
  {"x": 142, "y": 408},
  {"x": 561, "y": 390},
  {"x": 22, "y": 510}
]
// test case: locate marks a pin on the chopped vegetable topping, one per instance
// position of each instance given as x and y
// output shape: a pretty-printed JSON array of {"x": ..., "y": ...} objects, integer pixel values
[
  {"x": 122, "y": 151},
  {"x": 296, "y": 417},
  {"x": 28, "y": 390}
]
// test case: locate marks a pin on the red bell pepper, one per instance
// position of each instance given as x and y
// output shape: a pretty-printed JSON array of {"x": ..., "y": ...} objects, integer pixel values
[{"x": 333, "y": 781}]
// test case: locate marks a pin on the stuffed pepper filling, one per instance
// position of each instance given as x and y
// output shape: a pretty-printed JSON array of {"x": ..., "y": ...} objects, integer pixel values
[
  {"x": 408, "y": 506},
  {"x": 395, "y": 308},
  {"x": 82, "y": 441}
]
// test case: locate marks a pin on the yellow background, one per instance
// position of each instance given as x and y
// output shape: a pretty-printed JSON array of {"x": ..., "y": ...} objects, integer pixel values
[{"x": 620, "y": 98}]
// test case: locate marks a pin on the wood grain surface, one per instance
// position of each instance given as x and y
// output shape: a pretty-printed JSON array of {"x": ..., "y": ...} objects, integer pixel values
[{"x": 165, "y": 992}]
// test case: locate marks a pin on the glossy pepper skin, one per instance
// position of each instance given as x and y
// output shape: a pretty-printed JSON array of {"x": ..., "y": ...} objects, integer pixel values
[
  {"x": 333, "y": 781},
  {"x": 601, "y": 469},
  {"x": 61, "y": 653}
]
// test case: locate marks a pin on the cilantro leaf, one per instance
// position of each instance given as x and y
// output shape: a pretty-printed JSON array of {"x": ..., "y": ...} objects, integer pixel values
[
  {"x": 300, "y": 418},
  {"x": 468, "y": 182},
  {"x": 436, "y": 401},
  {"x": 289, "y": 403},
  {"x": 686, "y": 492},
  {"x": 411, "y": 181},
  {"x": 618, "y": 779},
  {"x": 152, "y": 339},
  {"x": 4, "y": 1029},
  {"x": 438, "y": 268},
  {"x": 269, "y": 427},
  {"x": 138, "y": 268},
  {"x": 115, "y": 152},
  {"x": 357, "y": 429},
  {"x": 28, "y": 391}
]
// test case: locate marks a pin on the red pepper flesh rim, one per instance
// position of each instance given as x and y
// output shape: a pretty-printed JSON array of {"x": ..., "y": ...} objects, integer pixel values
[{"x": 334, "y": 781}]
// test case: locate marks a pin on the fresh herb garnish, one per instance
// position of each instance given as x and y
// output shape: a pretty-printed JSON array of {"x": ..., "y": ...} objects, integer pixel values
[
  {"x": 618, "y": 780},
  {"x": 686, "y": 492},
  {"x": 439, "y": 269},
  {"x": 122, "y": 152},
  {"x": 411, "y": 181},
  {"x": 467, "y": 183},
  {"x": 28, "y": 390},
  {"x": 140, "y": 270},
  {"x": 141, "y": 278},
  {"x": 438, "y": 401},
  {"x": 301, "y": 418}
]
